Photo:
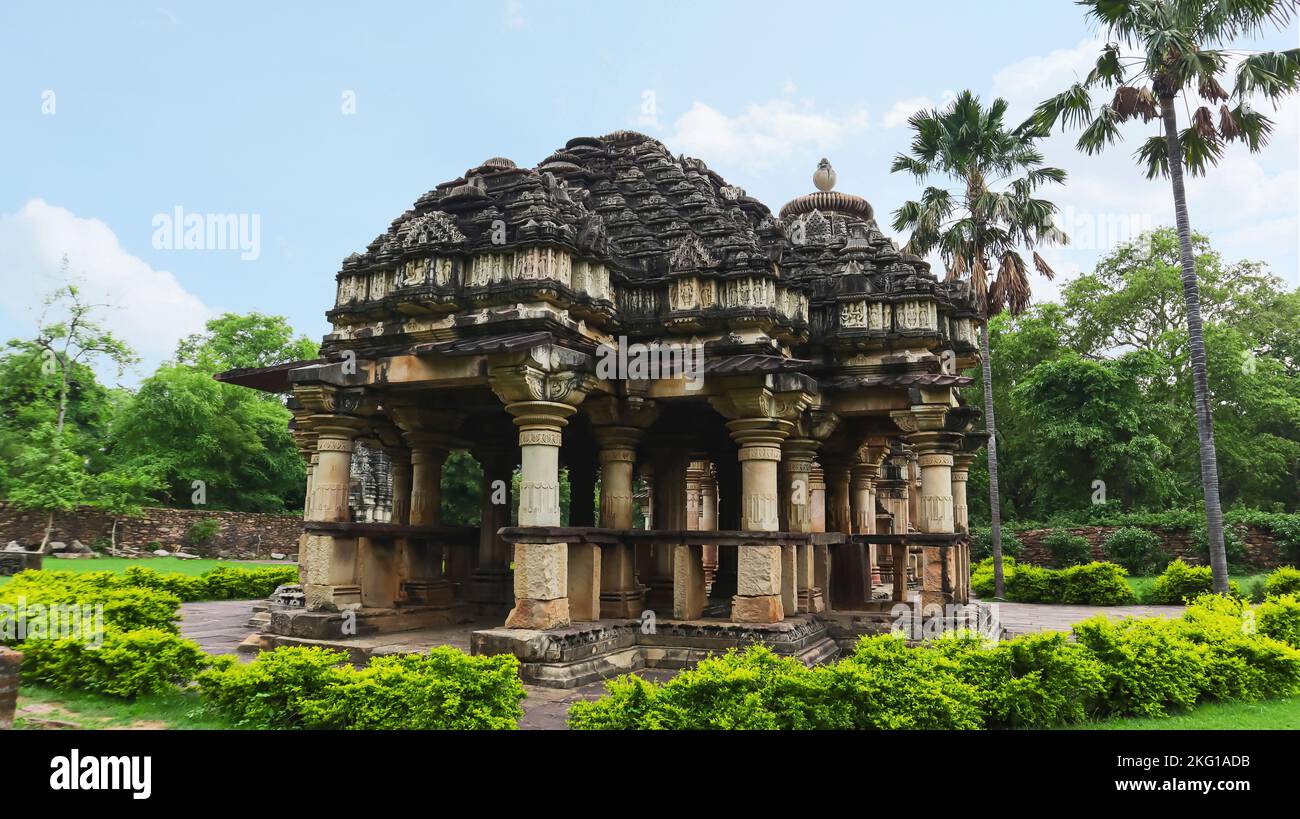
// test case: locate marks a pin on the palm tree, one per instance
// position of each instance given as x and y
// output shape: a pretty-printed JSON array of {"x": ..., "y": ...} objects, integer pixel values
[
  {"x": 1159, "y": 51},
  {"x": 978, "y": 225}
]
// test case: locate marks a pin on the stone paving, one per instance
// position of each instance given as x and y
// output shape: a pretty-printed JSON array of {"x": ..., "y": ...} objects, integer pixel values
[{"x": 219, "y": 627}]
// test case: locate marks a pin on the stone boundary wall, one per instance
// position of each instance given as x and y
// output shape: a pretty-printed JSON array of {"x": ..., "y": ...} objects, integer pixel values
[
  {"x": 1262, "y": 552},
  {"x": 242, "y": 535}
]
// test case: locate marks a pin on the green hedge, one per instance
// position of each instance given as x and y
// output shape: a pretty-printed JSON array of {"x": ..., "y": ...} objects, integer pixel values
[
  {"x": 221, "y": 583},
  {"x": 1181, "y": 583},
  {"x": 126, "y": 664},
  {"x": 1093, "y": 584},
  {"x": 311, "y": 688},
  {"x": 1148, "y": 666}
]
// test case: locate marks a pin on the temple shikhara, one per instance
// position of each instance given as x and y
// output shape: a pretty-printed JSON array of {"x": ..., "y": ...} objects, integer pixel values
[{"x": 792, "y": 468}]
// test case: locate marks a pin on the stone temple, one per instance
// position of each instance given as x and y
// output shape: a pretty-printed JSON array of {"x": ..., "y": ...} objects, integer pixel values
[{"x": 782, "y": 390}]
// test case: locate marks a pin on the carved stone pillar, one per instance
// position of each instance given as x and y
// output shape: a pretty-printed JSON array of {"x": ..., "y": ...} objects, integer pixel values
[
  {"x": 960, "y": 474},
  {"x": 401, "y": 472},
  {"x": 759, "y": 586},
  {"x": 620, "y": 595},
  {"x": 709, "y": 520},
  {"x": 677, "y": 583},
  {"x": 585, "y": 567},
  {"x": 541, "y": 569},
  {"x": 934, "y": 447},
  {"x": 425, "y": 575},
  {"x": 329, "y": 564},
  {"x": 796, "y": 516},
  {"x": 817, "y": 497},
  {"x": 694, "y": 472},
  {"x": 490, "y": 584},
  {"x": 821, "y": 553},
  {"x": 541, "y": 395},
  {"x": 845, "y": 560}
]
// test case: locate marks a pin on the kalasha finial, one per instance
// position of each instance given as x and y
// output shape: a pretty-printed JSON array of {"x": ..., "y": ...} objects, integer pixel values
[{"x": 824, "y": 176}]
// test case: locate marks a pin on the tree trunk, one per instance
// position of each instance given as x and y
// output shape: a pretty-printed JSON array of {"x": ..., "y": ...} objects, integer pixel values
[
  {"x": 49, "y": 527},
  {"x": 1196, "y": 341},
  {"x": 990, "y": 425}
]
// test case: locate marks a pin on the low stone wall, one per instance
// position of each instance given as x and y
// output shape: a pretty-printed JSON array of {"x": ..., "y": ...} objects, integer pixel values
[
  {"x": 10, "y": 661},
  {"x": 241, "y": 535},
  {"x": 1262, "y": 551}
]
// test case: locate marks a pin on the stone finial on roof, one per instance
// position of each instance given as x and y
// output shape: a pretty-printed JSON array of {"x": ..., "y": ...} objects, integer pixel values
[{"x": 824, "y": 176}]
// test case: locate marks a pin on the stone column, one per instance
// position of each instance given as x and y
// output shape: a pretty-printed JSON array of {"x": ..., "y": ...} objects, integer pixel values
[
  {"x": 424, "y": 561},
  {"x": 490, "y": 584},
  {"x": 620, "y": 595},
  {"x": 960, "y": 473},
  {"x": 934, "y": 447},
  {"x": 759, "y": 587},
  {"x": 584, "y": 558},
  {"x": 709, "y": 521},
  {"x": 694, "y": 471},
  {"x": 817, "y": 497},
  {"x": 541, "y": 569},
  {"x": 729, "y": 490},
  {"x": 401, "y": 460},
  {"x": 797, "y": 516},
  {"x": 329, "y": 563},
  {"x": 840, "y": 592},
  {"x": 821, "y": 571}
]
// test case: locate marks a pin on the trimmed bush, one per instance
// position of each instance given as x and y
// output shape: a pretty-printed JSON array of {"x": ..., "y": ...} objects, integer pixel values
[
  {"x": 298, "y": 687},
  {"x": 1035, "y": 681},
  {"x": 1180, "y": 583},
  {"x": 128, "y": 664},
  {"x": 126, "y": 608},
  {"x": 1145, "y": 667},
  {"x": 270, "y": 691},
  {"x": 1240, "y": 663},
  {"x": 1279, "y": 618},
  {"x": 1095, "y": 584},
  {"x": 1140, "y": 551},
  {"x": 445, "y": 689},
  {"x": 1034, "y": 584},
  {"x": 981, "y": 543},
  {"x": 1284, "y": 580},
  {"x": 1149, "y": 667},
  {"x": 1067, "y": 549}
]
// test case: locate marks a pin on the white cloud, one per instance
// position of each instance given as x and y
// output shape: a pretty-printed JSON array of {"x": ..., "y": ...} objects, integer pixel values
[
  {"x": 788, "y": 87},
  {"x": 763, "y": 135},
  {"x": 150, "y": 309}
]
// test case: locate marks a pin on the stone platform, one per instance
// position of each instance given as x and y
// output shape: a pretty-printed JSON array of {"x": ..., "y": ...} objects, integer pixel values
[{"x": 591, "y": 651}]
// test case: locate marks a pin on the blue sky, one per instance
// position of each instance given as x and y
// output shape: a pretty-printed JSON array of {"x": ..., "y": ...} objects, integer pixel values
[{"x": 238, "y": 108}]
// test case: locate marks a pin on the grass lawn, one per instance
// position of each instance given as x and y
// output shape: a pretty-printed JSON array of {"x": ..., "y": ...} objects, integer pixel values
[
  {"x": 159, "y": 564},
  {"x": 1215, "y": 716},
  {"x": 44, "y": 708},
  {"x": 1141, "y": 583}
]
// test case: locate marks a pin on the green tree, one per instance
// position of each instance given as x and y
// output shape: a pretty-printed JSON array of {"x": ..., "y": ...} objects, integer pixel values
[
  {"x": 190, "y": 428},
  {"x": 49, "y": 470},
  {"x": 1178, "y": 53},
  {"x": 234, "y": 341},
  {"x": 980, "y": 224}
]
